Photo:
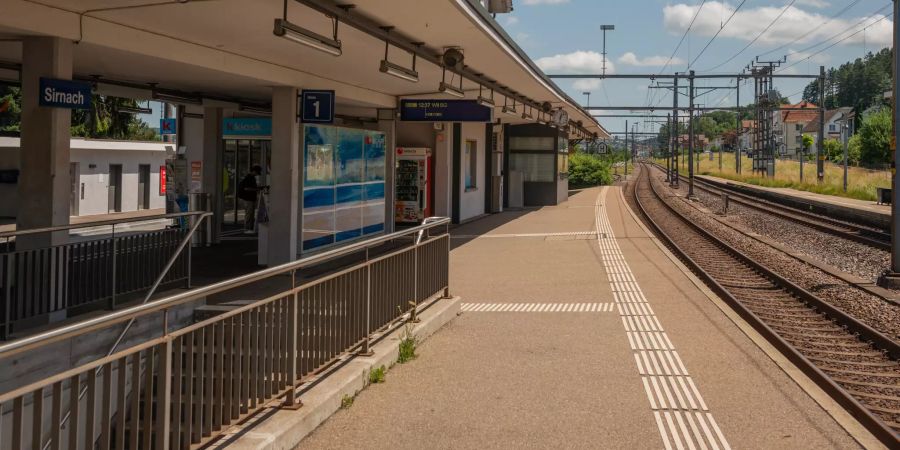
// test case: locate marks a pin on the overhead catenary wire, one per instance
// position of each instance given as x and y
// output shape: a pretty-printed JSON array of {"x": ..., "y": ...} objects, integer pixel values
[
  {"x": 812, "y": 30},
  {"x": 733, "y": 13},
  {"x": 869, "y": 17},
  {"x": 681, "y": 41},
  {"x": 833, "y": 44},
  {"x": 777, "y": 18}
]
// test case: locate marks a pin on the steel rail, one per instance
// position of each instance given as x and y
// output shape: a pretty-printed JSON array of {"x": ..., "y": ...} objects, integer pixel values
[
  {"x": 42, "y": 339},
  {"x": 872, "y": 423},
  {"x": 817, "y": 222}
]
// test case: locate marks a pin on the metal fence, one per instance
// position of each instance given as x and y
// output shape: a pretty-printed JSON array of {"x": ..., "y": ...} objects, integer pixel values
[
  {"x": 185, "y": 387},
  {"x": 83, "y": 275}
]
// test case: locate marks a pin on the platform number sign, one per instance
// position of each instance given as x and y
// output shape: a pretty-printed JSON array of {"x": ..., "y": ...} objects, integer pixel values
[{"x": 317, "y": 106}]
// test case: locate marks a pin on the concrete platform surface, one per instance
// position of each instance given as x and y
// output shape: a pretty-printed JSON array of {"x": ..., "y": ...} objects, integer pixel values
[{"x": 569, "y": 341}]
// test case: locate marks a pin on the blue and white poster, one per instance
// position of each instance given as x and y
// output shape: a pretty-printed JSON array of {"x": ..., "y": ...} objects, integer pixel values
[{"x": 343, "y": 185}]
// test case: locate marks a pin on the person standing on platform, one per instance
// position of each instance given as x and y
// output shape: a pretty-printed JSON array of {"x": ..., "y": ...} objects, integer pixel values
[{"x": 248, "y": 192}]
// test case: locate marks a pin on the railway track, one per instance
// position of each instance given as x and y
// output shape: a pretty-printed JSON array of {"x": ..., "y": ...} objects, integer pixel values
[
  {"x": 849, "y": 360},
  {"x": 866, "y": 235}
]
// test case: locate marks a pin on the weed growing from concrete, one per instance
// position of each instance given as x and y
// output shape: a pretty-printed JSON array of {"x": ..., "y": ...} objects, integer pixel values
[
  {"x": 346, "y": 401},
  {"x": 376, "y": 375},
  {"x": 407, "y": 345}
]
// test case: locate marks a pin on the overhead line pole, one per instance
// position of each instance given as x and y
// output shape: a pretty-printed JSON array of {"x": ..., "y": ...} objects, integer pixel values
[
  {"x": 676, "y": 138},
  {"x": 820, "y": 149},
  {"x": 738, "y": 152},
  {"x": 893, "y": 278},
  {"x": 691, "y": 137}
]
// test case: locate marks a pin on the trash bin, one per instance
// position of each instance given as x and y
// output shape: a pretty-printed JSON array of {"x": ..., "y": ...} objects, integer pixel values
[
  {"x": 883, "y": 195},
  {"x": 200, "y": 202}
]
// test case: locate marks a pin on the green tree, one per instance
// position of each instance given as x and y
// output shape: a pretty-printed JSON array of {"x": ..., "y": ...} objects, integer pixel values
[
  {"x": 588, "y": 170},
  {"x": 808, "y": 142},
  {"x": 833, "y": 150},
  {"x": 854, "y": 149},
  {"x": 875, "y": 137},
  {"x": 10, "y": 108}
]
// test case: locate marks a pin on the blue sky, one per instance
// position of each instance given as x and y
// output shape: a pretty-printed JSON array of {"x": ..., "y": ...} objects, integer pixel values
[{"x": 563, "y": 36}]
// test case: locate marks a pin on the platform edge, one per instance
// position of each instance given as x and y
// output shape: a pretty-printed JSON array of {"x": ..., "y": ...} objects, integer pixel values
[{"x": 831, "y": 407}]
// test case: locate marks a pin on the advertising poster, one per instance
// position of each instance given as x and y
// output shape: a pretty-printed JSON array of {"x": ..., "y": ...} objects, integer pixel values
[{"x": 343, "y": 187}]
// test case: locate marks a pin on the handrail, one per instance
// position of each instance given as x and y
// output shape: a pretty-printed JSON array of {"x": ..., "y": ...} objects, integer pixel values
[
  {"x": 21, "y": 345},
  {"x": 99, "y": 223}
]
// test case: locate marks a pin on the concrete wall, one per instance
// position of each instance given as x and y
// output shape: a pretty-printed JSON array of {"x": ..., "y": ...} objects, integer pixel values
[
  {"x": 471, "y": 202},
  {"x": 95, "y": 180}
]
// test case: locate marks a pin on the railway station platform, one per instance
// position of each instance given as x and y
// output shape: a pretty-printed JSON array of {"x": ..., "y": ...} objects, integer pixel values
[
  {"x": 579, "y": 330},
  {"x": 851, "y": 207}
]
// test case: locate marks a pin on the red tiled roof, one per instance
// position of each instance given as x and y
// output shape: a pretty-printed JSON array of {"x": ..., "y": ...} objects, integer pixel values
[{"x": 810, "y": 112}]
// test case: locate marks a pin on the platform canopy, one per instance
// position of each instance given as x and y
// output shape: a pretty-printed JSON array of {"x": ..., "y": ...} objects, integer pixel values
[{"x": 226, "y": 49}]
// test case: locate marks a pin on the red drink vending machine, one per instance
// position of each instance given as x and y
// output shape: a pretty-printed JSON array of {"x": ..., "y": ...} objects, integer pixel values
[{"x": 413, "y": 180}]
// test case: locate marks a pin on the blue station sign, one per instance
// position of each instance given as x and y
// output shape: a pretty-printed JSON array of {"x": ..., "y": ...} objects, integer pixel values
[
  {"x": 65, "y": 94},
  {"x": 247, "y": 127},
  {"x": 168, "y": 126},
  {"x": 415, "y": 110},
  {"x": 317, "y": 106}
]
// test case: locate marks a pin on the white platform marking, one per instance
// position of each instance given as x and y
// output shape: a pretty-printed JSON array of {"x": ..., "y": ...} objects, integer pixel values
[
  {"x": 671, "y": 392},
  {"x": 538, "y": 307}
]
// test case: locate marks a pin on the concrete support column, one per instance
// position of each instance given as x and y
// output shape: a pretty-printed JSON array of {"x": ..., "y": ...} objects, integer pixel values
[
  {"x": 286, "y": 179},
  {"x": 387, "y": 124},
  {"x": 44, "y": 189},
  {"x": 213, "y": 166},
  {"x": 443, "y": 167}
]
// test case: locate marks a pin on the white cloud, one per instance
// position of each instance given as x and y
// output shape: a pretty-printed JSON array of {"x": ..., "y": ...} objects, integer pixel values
[
  {"x": 748, "y": 23},
  {"x": 509, "y": 21},
  {"x": 587, "y": 84},
  {"x": 814, "y": 3},
  {"x": 544, "y": 2},
  {"x": 578, "y": 62},
  {"x": 630, "y": 59}
]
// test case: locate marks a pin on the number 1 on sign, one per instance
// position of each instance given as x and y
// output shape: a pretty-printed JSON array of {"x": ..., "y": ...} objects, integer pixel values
[{"x": 316, "y": 105}]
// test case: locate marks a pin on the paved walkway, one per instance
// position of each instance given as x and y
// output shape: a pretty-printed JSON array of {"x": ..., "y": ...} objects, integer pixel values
[{"x": 562, "y": 346}]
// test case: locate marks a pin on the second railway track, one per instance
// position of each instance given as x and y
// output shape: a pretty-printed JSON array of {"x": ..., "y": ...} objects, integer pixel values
[
  {"x": 852, "y": 362},
  {"x": 850, "y": 231}
]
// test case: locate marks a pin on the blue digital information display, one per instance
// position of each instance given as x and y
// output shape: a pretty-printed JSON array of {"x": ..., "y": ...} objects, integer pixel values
[
  {"x": 65, "y": 94},
  {"x": 317, "y": 106},
  {"x": 415, "y": 110}
]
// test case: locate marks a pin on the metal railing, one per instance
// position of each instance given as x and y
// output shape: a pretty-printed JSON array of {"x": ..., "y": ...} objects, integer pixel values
[
  {"x": 81, "y": 275},
  {"x": 186, "y": 386}
]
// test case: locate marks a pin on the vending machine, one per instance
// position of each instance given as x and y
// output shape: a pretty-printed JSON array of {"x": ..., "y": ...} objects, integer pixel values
[{"x": 413, "y": 180}]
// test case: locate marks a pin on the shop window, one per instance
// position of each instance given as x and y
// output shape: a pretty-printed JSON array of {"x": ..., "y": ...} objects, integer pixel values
[
  {"x": 471, "y": 164},
  {"x": 523, "y": 143},
  {"x": 534, "y": 166}
]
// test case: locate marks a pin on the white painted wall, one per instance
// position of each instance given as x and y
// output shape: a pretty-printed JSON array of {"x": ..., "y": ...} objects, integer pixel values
[
  {"x": 471, "y": 203},
  {"x": 96, "y": 180}
]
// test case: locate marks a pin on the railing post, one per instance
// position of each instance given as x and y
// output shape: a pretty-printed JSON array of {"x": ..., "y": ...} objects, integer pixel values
[
  {"x": 447, "y": 262},
  {"x": 115, "y": 251},
  {"x": 290, "y": 400},
  {"x": 163, "y": 395},
  {"x": 190, "y": 261},
  {"x": 414, "y": 314},
  {"x": 366, "y": 351}
]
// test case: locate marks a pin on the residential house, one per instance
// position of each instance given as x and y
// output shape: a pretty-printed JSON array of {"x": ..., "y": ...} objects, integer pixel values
[
  {"x": 833, "y": 119},
  {"x": 789, "y": 125},
  {"x": 745, "y": 140}
]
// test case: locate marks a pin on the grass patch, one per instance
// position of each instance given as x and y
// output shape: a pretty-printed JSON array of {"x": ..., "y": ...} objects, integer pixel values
[
  {"x": 861, "y": 182},
  {"x": 376, "y": 375},
  {"x": 347, "y": 401},
  {"x": 408, "y": 344}
]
